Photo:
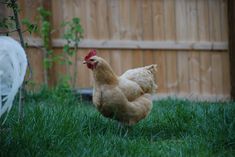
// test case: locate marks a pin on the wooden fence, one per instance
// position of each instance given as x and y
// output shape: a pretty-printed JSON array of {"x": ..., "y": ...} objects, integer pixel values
[{"x": 186, "y": 38}]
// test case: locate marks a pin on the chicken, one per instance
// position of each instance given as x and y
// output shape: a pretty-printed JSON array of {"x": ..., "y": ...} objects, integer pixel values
[
  {"x": 13, "y": 65},
  {"x": 126, "y": 98}
]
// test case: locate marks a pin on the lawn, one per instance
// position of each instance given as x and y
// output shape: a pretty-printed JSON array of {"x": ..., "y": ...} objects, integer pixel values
[{"x": 57, "y": 124}]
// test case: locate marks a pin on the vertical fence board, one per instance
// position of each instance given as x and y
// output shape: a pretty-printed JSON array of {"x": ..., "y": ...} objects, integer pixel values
[
  {"x": 125, "y": 33},
  {"x": 183, "y": 72},
  {"x": 171, "y": 72},
  {"x": 215, "y": 19},
  {"x": 217, "y": 74},
  {"x": 114, "y": 19},
  {"x": 80, "y": 12},
  {"x": 57, "y": 9},
  {"x": 182, "y": 56},
  {"x": 126, "y": 60},
  {"x": 147, "y": 30},
  {"x": 102, "y": 19},
  {"x": 147, "y": 20},
  {"x": 224, "y": 20},
  {"x": 205, "y": 71},
  {"x": 158, "y": 34},
  {"x": 114, "y": 22},
  {"x": 226, "y": 71},
  {"x": 225, "y": 56},
  {"x": 216, "y": 60},
  {"x": 136, "y": 31},
  {"x": 169, "y": 19},
  {"x": 205, "y": 57},
  {"x": 104, "y": 54},
  {"x": 171, "y": 58},
  {"x": 192, "y": 35},
  {"x": 91, "y": 13},
  {"x": 160, "y": 59},
  {"x": 36, "y": 60},
  {"x": 157, "y": 17},
  {"x": 137, "y": 59},
  {"x": 116, "y": 61},
  {"x": 135, "y": 20},
  {"x": 148, "y": 57}
]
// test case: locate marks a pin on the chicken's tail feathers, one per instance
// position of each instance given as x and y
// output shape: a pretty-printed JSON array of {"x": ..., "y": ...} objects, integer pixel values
[{"x": 152, "y": 68}]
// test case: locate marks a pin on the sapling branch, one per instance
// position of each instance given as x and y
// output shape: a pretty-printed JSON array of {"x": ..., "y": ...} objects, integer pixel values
[
  {"x": 14, "y": 7},
  {"x": 12, "y": 31}
]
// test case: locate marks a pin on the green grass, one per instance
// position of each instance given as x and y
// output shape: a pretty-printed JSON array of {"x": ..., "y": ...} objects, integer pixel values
[{"x": 56, "y": 124}]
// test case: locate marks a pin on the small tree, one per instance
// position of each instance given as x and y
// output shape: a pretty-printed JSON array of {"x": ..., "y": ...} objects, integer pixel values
[
  {"x": 45, "y": 33},
  {"x": 72, "y": 35}
]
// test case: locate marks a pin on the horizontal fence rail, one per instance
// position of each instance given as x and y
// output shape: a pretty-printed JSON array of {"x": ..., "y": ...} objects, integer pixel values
[{"x": 141, "y": 45}]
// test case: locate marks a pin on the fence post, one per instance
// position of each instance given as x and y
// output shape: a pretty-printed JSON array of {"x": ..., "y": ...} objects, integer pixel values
[{"x": 231, "y": 24}]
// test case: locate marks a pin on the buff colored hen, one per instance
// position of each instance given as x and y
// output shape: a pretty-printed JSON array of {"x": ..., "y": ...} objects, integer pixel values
[{"x": 126, "y": 98}]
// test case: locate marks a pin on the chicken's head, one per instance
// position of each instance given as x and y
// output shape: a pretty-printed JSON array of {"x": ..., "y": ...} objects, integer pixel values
[{"x": 90, "y": 60}]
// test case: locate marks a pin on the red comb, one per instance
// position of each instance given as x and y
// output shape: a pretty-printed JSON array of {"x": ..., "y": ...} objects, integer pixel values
[{"x": 90, "y": 54}]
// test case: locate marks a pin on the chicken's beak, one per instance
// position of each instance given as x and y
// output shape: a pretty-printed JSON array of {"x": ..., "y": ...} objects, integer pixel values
[{"x": 84, "y": 62}]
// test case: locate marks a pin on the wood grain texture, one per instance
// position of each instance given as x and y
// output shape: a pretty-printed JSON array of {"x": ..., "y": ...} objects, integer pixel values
[
  {"x": 147, "y": 20},
  {"x": 57, "y": 9},
  {"x": 182, "y": 56},
  {"x": 171, "y": 72},
  {"x": 186, "y": 38},
  {"x": 158, "y": 20},
  {"x": 216, "y": 60},
  {"x": 124, "y": 25},
  {"x": 137, "y": 56},
  {"x": 114, "y": 19},
  {"x": 217, "y": 74},
  {"x": 135, "y": 20},
  {"x": 159, "y": 35},
  {"x": 205, "y": 56},
  {"x": 226, "y": 74},
  {"x": 36, "y": 60},
  {"x": 137, "y": 45},
  {"x": 102, "y": 19},
  {"x": 91, "y": 17},
  {"x": 171, "y": 56},
  {"x": 169, "y": 19},
  {"x": 224, "y": 19},
  {"x": 194, "y": 58},
  {"x": 80, "y": 12},
  {"x": 161, "y": 78}
]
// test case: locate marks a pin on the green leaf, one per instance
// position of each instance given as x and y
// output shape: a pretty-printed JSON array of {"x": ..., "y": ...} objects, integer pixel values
[
  {"x": 43, "y": 12},
  {"x": 64, "y": 23},
  {"x": 47, "y": 63},
  {"x": 71, "y": 52},
  {"x": 76, "y": 20},
  {"x": 66, "y": 48},
  {"x": 30, "y": 27}
]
